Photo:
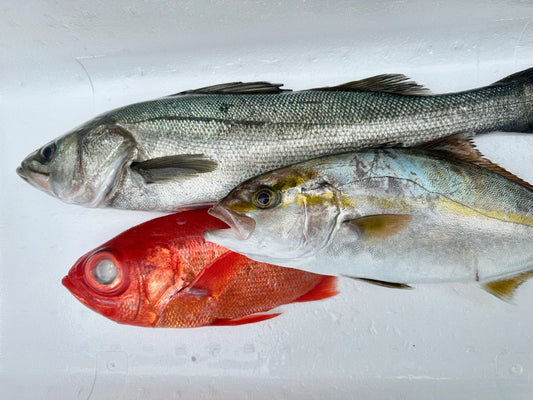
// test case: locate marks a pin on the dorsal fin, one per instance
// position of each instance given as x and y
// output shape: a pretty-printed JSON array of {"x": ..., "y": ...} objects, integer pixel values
[
  {"x": 387, "y": 83},
  {"x": 238, "y": 88},
  {"x": 459, "y": 147}
]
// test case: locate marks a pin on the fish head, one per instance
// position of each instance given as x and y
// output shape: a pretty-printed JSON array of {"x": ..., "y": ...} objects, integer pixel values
[
  {"x": 131, "y": 278},
  {"x": 106, "y": 285},
  {"x": 290, "y": 213},
  {"x": 83, "y": 166}
]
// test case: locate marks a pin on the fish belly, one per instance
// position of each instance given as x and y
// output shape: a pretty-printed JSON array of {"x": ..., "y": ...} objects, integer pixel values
[{"x": 434, "y": 248}]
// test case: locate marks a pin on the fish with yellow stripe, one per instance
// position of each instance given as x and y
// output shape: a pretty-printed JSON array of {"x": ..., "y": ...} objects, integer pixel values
[{"x": 393, "y": 216}]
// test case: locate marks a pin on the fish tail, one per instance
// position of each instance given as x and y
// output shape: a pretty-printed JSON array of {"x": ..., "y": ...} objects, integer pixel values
[{"x": 523, "y": 81}]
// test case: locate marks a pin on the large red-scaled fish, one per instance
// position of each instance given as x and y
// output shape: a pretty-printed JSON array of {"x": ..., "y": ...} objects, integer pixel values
[{"x": 163, "y": 273}]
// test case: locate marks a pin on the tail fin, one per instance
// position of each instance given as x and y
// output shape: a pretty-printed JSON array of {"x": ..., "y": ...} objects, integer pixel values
[{"x": 524, "y": 82}]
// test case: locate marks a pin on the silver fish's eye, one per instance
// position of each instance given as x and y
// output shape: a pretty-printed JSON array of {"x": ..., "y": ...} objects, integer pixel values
[
  {"x": 47, "y": 152},
  {"x": 265, "y": 198},
  {"x": 105, "y": 271}
]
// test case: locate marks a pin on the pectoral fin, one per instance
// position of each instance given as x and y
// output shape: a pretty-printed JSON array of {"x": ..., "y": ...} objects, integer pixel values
[
  {"x": 392, "y": 285},
  {"x": 504, "y": 288},
  {"x": 173, "y": 167},
  {"x": 379, "y": 227}
]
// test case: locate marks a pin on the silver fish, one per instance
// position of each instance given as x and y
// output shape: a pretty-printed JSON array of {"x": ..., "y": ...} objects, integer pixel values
[
  {"x": 390, "y": 216},
  {"x": 192, "y": 148}
]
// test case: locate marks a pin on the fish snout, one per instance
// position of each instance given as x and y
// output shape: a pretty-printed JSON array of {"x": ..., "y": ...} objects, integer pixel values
[
  {"x": 241, "y": 225},
  {"x": 30, "y": 171}
]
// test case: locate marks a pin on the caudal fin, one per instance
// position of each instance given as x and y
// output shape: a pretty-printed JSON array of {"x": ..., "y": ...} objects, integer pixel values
[{"x": 524, "y": 83}]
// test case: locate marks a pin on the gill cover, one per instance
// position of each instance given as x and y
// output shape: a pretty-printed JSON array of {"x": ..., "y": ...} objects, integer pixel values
[{"x": 104, "y": 152}]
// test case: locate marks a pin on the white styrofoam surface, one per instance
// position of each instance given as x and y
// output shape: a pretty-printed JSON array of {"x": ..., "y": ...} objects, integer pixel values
[{"x": 63, "y": 62}]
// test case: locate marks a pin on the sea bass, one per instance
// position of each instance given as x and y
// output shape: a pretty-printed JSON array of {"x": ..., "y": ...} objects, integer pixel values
[
  {"x": 162, "y": 273},
  {"x": 390, "y": 216},
  {"x": 192, "y": 148}
]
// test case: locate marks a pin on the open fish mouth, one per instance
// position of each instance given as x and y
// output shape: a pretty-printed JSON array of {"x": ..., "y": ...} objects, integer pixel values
[{"x": 240, "y": 225}]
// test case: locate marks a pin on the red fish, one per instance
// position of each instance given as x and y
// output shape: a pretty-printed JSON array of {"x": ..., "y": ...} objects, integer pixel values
[{"x": 163, "y": 273}]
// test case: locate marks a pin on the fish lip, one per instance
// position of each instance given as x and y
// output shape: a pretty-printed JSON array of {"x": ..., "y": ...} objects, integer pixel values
[
  {"x": 34, "y": 177},
  {"x": 241, "y": 225},
  {"x": 21, "y": 173},
  {"x": 73, "y": 289}
]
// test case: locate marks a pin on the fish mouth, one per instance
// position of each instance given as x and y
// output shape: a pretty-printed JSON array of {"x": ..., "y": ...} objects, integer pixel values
[
  {"x": 39, "y": 179},
  {"x": 240, "y": 225},
  {"x": 74, "y": 290}
]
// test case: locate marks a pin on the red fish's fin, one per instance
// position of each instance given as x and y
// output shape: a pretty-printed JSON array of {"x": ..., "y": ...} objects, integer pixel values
[
  {"x": 327, "y": 287},
  {"x": 215, "y": 277},
  {"x": 504, "y": 288},
  {"x": 392, "y": 285},
  {"x": 379, "y": 227},
  {"x": 249, "y": 319},
  {"x": 462, "y": 148}
]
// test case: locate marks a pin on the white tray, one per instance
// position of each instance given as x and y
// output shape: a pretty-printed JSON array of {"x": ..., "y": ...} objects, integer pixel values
[{"x": 63, "y": 62}]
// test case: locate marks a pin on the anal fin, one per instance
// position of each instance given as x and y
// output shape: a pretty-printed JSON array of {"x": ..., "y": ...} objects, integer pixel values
[
  {"x": 249, "y": 319},
  {"x": 505, "y": 288}
]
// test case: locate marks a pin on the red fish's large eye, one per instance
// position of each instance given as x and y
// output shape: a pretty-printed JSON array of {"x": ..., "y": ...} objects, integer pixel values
[{"x": 103, "y": 273}]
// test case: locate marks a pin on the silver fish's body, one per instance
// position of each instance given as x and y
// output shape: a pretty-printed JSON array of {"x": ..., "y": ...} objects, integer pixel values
[
  {"x": 391, "y": 215},
  {"x": 192, "y": 148}
]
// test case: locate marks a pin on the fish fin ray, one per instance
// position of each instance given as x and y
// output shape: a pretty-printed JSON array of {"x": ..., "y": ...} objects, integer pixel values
[
  {"x": 214, "y": 278},
  {"x": 463, "y": 148},
  {"x": 392, "y": 285},
  {"x": 327, "y": 287},
  {"x": 249, "y": 319},
  {"x": 504, "y": 288},
  {"x": 259, "y": 87},
  {"x": 386, "y": 83},
  {"x": 173, "y": 167},
  {"x": 379, "y": 227}
]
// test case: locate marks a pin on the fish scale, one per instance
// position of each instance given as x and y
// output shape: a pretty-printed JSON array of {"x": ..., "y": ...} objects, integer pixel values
[
  {"x": 240, "y": 131},
  {"x": 402, "y": 216}
]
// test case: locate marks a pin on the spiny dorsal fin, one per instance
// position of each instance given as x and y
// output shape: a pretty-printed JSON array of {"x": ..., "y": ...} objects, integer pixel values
[
  {"x": 173, "y": 167},
  {"x": 379, "y": 227},
  {"x": 387, "y": 83},
  {"x": 392, "y": 285},
  {"x": 504, "y": 288},
  {"x": 238, "y": 88},
  {"x": 459, "y": 147}
]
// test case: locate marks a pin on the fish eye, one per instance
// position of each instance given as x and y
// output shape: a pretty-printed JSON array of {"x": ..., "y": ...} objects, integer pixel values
[
  {"x": 265, "y": 198},
  {"x": 105, "y": 272},
  {"x": 47, "y": 152}
]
